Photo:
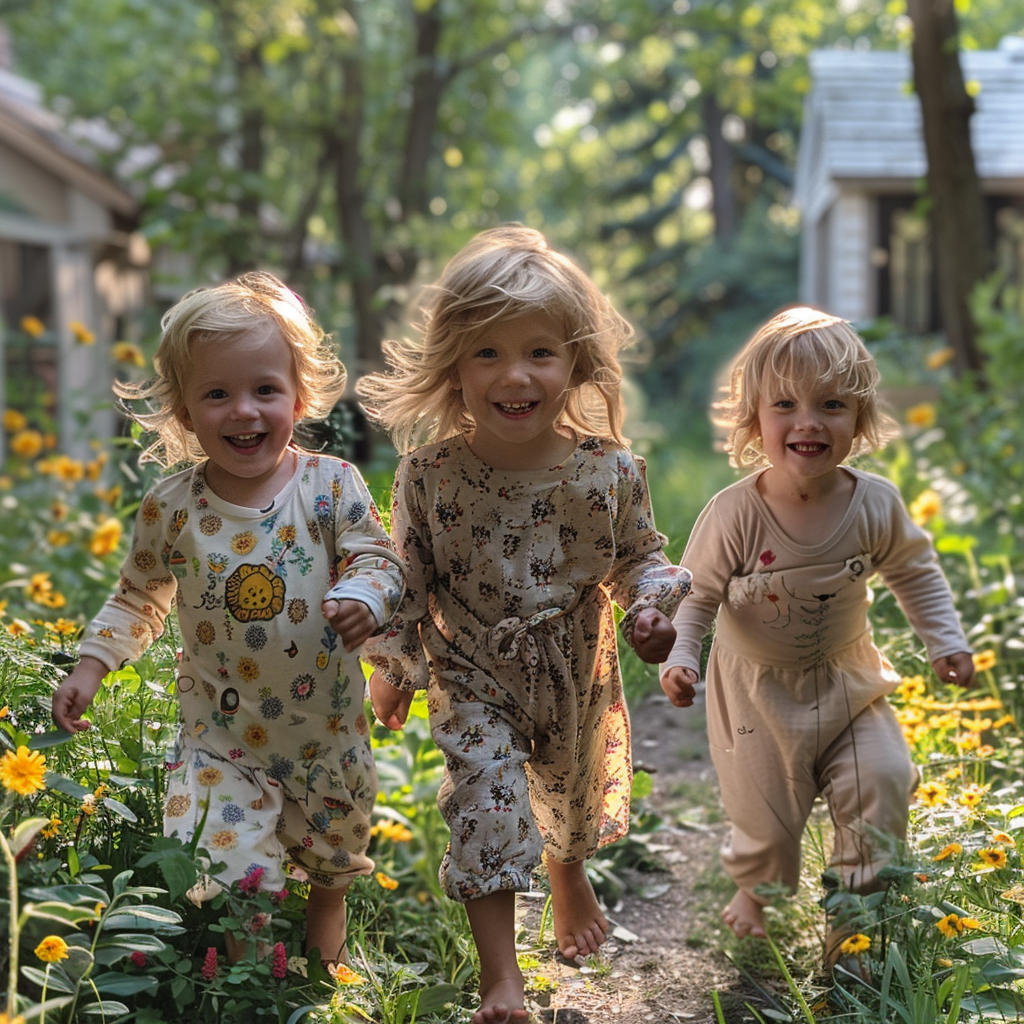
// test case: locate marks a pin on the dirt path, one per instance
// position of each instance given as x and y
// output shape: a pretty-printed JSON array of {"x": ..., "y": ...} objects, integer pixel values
[{"x": 664, "y": 958}]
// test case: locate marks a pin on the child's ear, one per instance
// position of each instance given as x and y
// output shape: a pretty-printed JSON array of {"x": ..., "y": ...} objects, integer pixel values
[
  {"x": 184, "y": 419},
  {"x": 299, "y": 410}
]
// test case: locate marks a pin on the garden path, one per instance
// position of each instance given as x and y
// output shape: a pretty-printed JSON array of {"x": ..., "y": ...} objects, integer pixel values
[{"x": 664, "y": 958}]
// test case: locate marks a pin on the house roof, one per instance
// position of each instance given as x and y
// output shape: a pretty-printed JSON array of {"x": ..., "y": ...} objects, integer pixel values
[
  {"x": 862, "y": 120},
  {"x": 27, "y": 127}
]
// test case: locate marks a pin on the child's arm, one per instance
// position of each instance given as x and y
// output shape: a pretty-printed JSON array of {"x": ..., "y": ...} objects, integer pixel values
[
  {"x": 653, "y": 635},
  {"x": 680, "y": 685},
  {"x": 390, "y": 704},
  {"x": 74, "y": 695}
]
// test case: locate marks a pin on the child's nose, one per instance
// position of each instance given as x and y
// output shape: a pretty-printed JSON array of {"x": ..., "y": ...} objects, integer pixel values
[
  {"x": 244, "y": 408},
  {"x": 516, "y": 372}
]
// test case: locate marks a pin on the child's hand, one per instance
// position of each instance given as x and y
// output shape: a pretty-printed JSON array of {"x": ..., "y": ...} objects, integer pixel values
[
  {"x": 653, "y": 635},
  {"x": 955, "y": 668},
  {"x": 390, "y": 704},
  {"x": 351, "y": 620},
  {"x": 679, "y": 686},
  {"x": 74, "y": 695}
]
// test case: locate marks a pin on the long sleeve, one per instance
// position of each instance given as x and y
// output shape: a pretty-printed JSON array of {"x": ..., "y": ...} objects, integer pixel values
[
  {"x": 713, "y": 556},
  {"x": 397, "y": 652},
  {"x": 642, "y": 575},
  {"x": 366, "y": 567},
  {"x": 133, "y": 617},
  {"x": 906, "y": 561}
]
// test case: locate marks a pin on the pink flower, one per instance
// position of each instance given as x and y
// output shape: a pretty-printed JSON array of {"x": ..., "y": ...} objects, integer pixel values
[
  {"x": 767, "y": 557},
  {"x": 210, "y": 964},
  {"x": 280, "y": 965},
  {"x": 138, "y": 958},
  {"x": 250, "y": 884}
]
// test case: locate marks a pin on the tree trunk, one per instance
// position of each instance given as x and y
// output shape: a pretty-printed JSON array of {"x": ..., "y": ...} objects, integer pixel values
[{"x": 957, "y": 214}]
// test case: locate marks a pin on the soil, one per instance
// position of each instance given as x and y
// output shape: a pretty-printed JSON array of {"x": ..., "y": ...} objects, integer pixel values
[{"x": 665, "y": 954}]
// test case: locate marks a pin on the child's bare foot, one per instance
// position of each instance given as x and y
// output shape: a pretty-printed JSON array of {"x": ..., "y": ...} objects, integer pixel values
[
  {"x": 502, "y": 1002},
  {"x": 745, "y": 916},
  {"x": 580, "y": 925}
]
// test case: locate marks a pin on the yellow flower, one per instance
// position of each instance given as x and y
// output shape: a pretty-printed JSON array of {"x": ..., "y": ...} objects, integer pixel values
[
  {"x": 58, "y": 538},
  {"x": 1015, "y": 894},
  {"x": 68, "y": 469},
  {"x": 32, "y": 326},
  {"x": 52, "y": 949},
  {"x": 82, "y": 333},
  {"x": 911, "y": 688},
  {"x": 50, "y": 830},
  {"x": 106, "y": 537},
  {"x": 14, "y": 421},
  {"x": 1004, "y": 838},
  {"x": 393, "y": 830},
  {"x": 27, "y": 443},
  {"x": 110, "y": 496},
  {"x": 992, "y": 856},
  {"x": 984, "y": 660},
  {"x": 22, "y": 771},
  {"x": 89, "y": 804},
  {"x": 949, "y": 850},
  {"x": 126, "y": 352},
  {"x": 967, "y": 741},
  {"x": 970, "y": 922},
  {"x": 855, "y": 944},
  {"x": 973, "y": 795},
  {"x": 925, "y": 506},
  {"x": 950, "y": 926},
  {"x": 937, "y": 359},
  {"x": 385, "y": 882},
  {"x": 921, "y": 415},
  {"x": 39, "y": 587},
  {"x": 344, "y": 975},
  {"x": 5, "y": 1019},
  {"x": 931, "y": 794},
  {"x": 18, "y": 627}
]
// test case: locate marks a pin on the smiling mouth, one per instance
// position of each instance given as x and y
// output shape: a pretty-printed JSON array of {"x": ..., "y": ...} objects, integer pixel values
[
  {"x": 808, "y": 448},
  {"x": 515, "y": 408},
  {"x": 245, "y": 440}
]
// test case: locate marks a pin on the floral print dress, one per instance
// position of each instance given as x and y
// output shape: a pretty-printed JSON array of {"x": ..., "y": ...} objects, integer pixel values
[
  {"x": 508, "y": 624},
  {"x": 273, "y": 744}
]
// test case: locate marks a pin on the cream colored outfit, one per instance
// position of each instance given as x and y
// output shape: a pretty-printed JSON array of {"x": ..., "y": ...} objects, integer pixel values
[{"x": 796, "y": 688}]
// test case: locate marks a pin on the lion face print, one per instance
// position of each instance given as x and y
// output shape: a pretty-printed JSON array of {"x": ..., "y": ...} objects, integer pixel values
[{"x": 254, "y": 593}]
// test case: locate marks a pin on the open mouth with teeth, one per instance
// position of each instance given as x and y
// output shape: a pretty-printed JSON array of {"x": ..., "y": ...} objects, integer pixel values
[
  {"x": 809, "y": 447},
  {"x": 245, "y": 440},
  {"x": 515, "y": 408}
]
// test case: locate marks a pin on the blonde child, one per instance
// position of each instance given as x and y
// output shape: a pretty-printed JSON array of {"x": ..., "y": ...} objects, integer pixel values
[
  {"x": 521, "y": 521},
  {"x": 271, "y": 554},
  {"x": 796, "y": 688}
]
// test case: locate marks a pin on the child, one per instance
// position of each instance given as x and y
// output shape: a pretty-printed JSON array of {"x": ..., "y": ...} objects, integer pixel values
[
  {"x": 796, "y": 687},
  {"x": 520, "y": 522},
  {"x": 273, "y": 745}
]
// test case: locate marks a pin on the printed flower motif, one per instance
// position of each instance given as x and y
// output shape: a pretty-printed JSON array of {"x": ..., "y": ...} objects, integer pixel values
[
  {"x": 255, "y": 735},
  {"x": 52, "y": 949},
  {"x": 932, "y": 794},
  {"x": 248, "y": 669},
  {"x": 855, "y": 944},
  {"x": 949, "y": 850},
  {"x": 303, "y": 687},
  {"x": 177, "y": 806},
  {"x": 22, "y": 771},
  {"x": 253, "y": 592},
  {"x": 243, "y": 543},
  {"x": 209, "y": 776},
  {"x": 766, "y": 557},
  {"x": 210, "y": 964},
  {"x": 992, "y": 857},
  {"x": 225, "y": 839}
]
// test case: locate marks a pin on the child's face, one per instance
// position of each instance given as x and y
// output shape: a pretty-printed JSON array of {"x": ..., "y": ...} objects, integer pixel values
[
  {"x": 806, "y": 430},
  {"x": 241, "y": 401},
  {"x": 513, "y": 382}
]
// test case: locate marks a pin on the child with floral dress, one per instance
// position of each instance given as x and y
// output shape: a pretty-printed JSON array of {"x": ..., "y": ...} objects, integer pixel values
[
  {"x": 277, "y": 563},
  {"x": 521, "y": 520}
]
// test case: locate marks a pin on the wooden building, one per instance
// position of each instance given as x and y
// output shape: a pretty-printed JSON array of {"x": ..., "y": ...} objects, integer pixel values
[
  {"x": 865, "y": 248},
  {"x": 72, "y": 260}
]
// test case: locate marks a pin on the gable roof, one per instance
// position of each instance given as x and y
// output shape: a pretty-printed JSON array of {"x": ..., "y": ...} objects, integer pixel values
[
  {"x": 34, "y": 132},
  {"x": 862, "y": 120}
]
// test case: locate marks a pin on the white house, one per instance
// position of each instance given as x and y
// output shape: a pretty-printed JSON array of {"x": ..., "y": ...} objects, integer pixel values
[
  {"x": 864, "y": 252},
  {"x": 69, "y": 253}
]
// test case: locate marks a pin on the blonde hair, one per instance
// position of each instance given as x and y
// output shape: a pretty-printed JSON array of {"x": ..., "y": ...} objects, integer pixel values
[
  {"x": 255, "y": 301},
  {"x": 501, "y": 274},
  {"x": 797, "y": 345}
]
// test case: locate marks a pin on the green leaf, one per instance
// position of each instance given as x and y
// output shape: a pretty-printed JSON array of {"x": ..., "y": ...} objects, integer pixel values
[
  {"x": 25, "y": 833},
  {"x": 141, "y": 942},
  {"x": 67, "y": 786},
  {"x": 643, "y": 786},
  {"x": 108, "y": 1008},
  {"x": 64, "y": 912},
  {"x": 117, "y": 984},
  {"x": 54, "y": 980},
  {"x": 68, "y": 893},
  {"x": 120, "y": 809}
]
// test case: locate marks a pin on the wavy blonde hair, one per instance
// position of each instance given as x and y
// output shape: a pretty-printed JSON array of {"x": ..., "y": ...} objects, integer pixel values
[
  {"x": 256, "y": 301},
  {"x": 502, "y": 273},
  {"x": 797, "y": 345}
]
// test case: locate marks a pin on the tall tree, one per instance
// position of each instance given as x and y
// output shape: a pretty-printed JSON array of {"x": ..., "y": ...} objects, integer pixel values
[{"x": 957, "y": 212}]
